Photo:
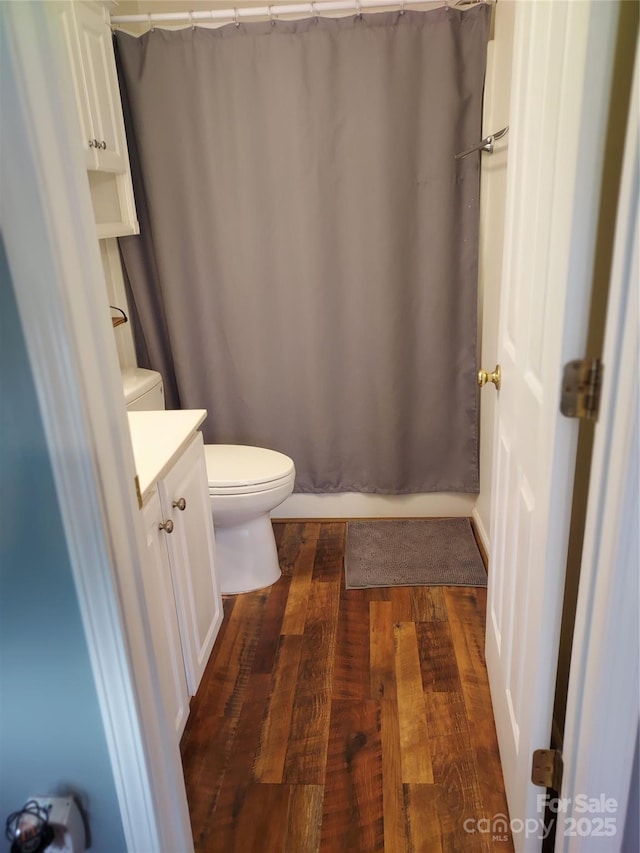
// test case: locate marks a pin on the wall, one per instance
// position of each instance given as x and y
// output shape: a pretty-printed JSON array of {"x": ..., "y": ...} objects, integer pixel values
[
  {"x": 493, "y": 187},
  {"x": 110, "y": 257},
  {"x": 51, "y": 735}
]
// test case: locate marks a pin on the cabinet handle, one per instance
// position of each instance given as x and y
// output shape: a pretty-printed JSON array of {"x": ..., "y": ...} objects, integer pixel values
[
  {"x": 167, "y": 526},
  {"x": 180, "y": 504},
  {"x": 103, "y": 145}
]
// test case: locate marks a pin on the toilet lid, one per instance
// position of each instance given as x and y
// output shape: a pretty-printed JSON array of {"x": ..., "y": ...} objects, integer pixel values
[{"x": 231, "y": 465}]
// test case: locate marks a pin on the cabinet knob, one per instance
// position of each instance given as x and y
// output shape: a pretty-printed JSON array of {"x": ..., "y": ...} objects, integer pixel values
[
  {"x": 103, "y": 145},
  {"x": 167, "y": 526},
  {"x": 180, "y": 504},
  {"x": 92, "y": 142}
]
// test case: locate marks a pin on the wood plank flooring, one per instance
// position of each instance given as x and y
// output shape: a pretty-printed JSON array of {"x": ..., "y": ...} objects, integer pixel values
[{"x": 343, "y": 720}]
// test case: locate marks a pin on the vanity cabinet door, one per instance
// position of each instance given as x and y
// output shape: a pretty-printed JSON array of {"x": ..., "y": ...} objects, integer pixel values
[
  {"x": 163, "y": 619},
  {"x": 184, "y": 496}
]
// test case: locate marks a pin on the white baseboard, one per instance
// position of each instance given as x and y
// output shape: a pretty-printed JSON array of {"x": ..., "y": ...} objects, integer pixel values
[
  {"x": 481, "y": 531},
  {"x": 358, "y": 505}
]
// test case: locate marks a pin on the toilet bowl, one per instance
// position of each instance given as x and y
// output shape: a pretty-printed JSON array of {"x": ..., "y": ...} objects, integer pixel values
[{"x": 245, "y": 484}]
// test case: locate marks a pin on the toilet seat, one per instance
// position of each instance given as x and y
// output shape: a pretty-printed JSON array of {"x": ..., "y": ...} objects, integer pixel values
[{"x": 236, "y": 469}]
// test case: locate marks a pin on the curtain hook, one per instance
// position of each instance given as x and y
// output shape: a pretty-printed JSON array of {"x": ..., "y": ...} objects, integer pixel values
[
  {"x": 271, "y": 18},
  {"x": 359, "y": 10},
  {"x": 314, "y": 12},
  {"x": 402, "y": 8},
  {"x": 151, "y": 27},
  {"x": 235, "y": 17},
  {"x": 193, "y": 26}
]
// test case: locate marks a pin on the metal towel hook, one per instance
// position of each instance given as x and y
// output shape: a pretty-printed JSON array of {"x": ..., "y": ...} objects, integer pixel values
[{"x": 485, "y": 144}]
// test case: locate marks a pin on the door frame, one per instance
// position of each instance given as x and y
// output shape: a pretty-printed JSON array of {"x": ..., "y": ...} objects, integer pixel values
[
  {"x": 53, "y": 254},
  {"x": 570, "y": 136},
  {"x": 604, "y": 680}
]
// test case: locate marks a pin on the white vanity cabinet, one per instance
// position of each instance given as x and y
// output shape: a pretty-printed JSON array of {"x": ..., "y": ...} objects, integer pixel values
[
  {"x": 163, "y": 619},
  {"x": 89, "y": 47},
  {"x": 182, "y": 594},
  {"x": 184, "y": 497},
  {"x": 87, "y": 37}
]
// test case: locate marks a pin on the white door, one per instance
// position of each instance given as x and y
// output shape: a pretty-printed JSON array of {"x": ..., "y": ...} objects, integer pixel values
[{"x": 560, "y": 91}]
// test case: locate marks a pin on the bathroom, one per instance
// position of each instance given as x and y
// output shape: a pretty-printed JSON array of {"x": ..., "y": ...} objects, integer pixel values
[{"x": 407, "y": 508}]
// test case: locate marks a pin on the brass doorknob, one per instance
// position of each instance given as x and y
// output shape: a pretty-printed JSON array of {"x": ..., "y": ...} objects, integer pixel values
[{"x": 495, "y": 377}]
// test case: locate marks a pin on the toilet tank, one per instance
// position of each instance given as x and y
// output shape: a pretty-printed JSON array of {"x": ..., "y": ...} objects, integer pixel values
[{"x": 143, "y": 389}]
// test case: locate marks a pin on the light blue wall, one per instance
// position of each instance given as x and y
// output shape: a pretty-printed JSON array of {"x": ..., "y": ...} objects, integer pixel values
[{"x": 51, "y": 735}]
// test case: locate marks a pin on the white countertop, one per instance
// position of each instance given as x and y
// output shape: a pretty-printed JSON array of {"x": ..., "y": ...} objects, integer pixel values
[{"x": 158, "y": 438}]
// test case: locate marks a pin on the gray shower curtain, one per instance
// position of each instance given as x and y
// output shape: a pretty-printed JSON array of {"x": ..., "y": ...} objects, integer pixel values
[{"x": 307, "y": 263}]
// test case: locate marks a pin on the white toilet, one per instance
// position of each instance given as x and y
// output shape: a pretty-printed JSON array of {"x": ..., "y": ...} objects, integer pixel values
[{"x": 245, "y": 484}]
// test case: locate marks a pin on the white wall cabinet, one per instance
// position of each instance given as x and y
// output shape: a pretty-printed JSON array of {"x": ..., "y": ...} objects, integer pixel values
[
  {"x": 182, "y": 594},
  {"x": 163, "y": 618},
  {"x": 89, "y": 47},
  {"x": 184, "y": 497},
  {"x": 99, "y": 97}
]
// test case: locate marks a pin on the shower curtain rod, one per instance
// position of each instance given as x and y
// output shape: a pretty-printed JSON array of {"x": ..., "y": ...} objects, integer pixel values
[{"x": 314, "y": 10}]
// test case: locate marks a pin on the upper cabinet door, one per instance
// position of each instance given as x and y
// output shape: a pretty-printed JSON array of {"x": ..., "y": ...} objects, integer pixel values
[
  {"x": 106, "y": 139},
  {"x": 65, "y": 12},
  {"x": 184, "y": 496}
]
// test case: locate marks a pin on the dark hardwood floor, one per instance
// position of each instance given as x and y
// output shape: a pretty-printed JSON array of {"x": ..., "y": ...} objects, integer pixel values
[{"x": 343, "y": 720}]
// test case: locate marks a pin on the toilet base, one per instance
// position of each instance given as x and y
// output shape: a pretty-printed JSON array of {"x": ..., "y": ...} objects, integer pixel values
[{"x": 246, "y": 555}]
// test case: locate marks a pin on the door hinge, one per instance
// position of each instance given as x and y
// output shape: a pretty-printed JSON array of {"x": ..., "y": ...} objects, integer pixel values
[
  {"x": 581, "y": 383},
  {"x": 546, "y": 768},
  {"x": 136, "y": 481}
]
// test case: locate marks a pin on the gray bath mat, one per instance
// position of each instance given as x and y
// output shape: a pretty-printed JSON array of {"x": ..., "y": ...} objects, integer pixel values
[{"x": 415, "y": 552}]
